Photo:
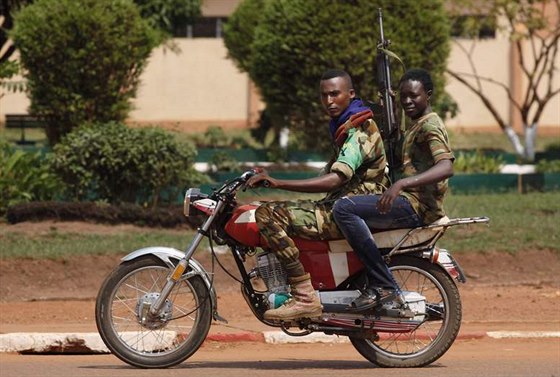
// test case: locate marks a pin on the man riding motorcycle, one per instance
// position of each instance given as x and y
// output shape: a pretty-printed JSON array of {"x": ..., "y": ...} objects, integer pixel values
[{"x": 357, "y": 168}]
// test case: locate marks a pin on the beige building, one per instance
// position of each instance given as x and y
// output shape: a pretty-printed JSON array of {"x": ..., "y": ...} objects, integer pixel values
[{"x": 199, "y": 86}]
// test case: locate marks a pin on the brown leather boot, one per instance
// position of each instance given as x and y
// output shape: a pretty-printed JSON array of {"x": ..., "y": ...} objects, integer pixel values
[{"x": 304, "y": 302}]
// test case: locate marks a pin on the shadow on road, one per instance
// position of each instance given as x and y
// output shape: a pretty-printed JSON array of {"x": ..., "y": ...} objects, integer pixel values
[{"x": 288, "y": 364}]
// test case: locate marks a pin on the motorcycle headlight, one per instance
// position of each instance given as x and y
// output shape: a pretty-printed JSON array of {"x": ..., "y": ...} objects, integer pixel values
[{"x": 192, "y": 195}]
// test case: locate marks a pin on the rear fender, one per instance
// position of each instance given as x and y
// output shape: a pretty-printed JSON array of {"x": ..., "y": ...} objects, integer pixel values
[
  {"x": 444, "y": 258},
  {"x": 168, "y": 255}
]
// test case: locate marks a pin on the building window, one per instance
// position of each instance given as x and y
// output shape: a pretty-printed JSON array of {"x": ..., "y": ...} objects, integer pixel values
[
  {"x": 204, "y": 27},
  {"x": 473, "y": 26}
]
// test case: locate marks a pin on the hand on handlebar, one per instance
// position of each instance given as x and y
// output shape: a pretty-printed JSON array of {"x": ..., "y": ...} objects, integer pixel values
[{"x": 260, "y": 180}]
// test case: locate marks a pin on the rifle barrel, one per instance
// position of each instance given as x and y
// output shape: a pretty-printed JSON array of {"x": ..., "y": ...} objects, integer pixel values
[
  {"x": 384, "y": 76},
  {"x": 381, "y": 27}
]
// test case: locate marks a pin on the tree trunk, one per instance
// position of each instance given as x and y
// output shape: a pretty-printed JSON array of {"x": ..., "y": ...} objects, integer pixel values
[
  {"x": 530, "y": 137},
  {"x": 514, "y": 139}
]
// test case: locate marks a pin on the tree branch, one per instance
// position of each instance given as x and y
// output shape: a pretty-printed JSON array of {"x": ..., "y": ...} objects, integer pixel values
[
  {"x": 471, "y": 62},
  {"x": 490, "y": 80},
  {"x": 543, "y": 104},
  {"x": 482, "y": 97},
  {"x": 552, "y": 68}
]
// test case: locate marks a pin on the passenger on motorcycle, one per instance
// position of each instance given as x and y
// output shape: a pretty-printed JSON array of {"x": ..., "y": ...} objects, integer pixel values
[
  {"x": 416, "y": 198},
  {"x": 358, "y": 167}
]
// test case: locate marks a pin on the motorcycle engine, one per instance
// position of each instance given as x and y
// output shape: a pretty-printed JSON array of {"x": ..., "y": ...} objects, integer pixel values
[{"x": 275, "y": 278}]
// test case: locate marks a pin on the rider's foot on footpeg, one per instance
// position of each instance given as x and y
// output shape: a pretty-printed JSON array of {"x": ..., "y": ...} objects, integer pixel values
[{"x": 372, "y": 297}]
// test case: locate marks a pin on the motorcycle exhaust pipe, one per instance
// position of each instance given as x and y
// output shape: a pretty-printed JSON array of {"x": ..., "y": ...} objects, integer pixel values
[{"x": 356, "y": 333}]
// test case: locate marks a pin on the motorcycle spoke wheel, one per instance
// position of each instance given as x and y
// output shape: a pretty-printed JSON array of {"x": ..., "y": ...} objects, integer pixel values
[
  {"x": 135, "y": 338},
  {"x": 433, "y": 337}
]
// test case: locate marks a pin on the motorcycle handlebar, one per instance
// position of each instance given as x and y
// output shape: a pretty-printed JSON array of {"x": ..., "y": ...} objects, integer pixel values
[
  {"x": 240, "y": 181},
  {"x": 251, "y": 173}
]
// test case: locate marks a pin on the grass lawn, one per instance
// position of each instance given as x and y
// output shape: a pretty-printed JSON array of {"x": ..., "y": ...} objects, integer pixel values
[
  {"x": 492, "y": 141},
  {"x": 55, "y": 245},
  {"x": 517, "y": 223}
]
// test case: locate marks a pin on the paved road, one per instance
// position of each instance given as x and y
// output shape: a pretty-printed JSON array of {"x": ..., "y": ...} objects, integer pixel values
[{"x": 483, "y": 357}]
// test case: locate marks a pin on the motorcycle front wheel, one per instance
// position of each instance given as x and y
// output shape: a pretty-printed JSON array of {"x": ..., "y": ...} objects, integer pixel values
[
  {"x": 433, "y": 337},
  {"x": 122, "y": 319}
]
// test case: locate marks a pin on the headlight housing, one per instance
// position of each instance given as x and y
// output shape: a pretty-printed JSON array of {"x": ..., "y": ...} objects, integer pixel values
[{"x": 192, "y": 195}]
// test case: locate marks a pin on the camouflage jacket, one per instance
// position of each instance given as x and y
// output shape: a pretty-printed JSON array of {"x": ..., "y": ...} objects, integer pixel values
[
  {"x": 424, "y": 144},
  {"x": 361, "y": 159}
]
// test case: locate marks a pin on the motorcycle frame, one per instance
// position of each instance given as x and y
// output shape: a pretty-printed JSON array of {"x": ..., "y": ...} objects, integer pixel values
[{"x": 225, "y": 202}]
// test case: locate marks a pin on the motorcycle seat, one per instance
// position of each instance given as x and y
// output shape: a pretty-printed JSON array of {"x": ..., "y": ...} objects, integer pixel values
[
  {"x": 387, "y": 239},
  {"x": 390, "y": 238}
]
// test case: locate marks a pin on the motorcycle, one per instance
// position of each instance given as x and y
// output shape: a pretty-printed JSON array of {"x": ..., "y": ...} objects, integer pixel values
[{"x": 154, "y": 310}]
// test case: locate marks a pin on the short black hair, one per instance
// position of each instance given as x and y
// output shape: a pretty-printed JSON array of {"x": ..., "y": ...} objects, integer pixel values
[
  {"x": 332, "y": 73},
  {"x": 419, "y": 74}
]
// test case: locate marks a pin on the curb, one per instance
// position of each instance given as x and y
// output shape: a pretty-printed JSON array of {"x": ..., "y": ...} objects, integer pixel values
[
  {"x": 237, "y": 337},
  {"x": 523, "y": 334},
  {"x": 91, "y": 343}
]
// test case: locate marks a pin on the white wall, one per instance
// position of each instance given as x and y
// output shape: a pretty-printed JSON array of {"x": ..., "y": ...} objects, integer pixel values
[
  {"x": 492, "y": 60},
  {"x": 199, "y": 83},
  {"x": 199, "y": 86}
]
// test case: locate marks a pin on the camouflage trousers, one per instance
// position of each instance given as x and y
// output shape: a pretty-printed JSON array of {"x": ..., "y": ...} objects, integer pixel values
[{"x": 279, "y": 221}]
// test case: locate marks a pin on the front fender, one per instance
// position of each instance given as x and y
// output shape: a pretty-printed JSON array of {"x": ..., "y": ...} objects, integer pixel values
[{"x": 168, "y": 255}]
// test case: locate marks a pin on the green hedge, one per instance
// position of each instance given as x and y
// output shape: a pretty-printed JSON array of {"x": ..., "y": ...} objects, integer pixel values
[{"x": 115, "y": 163}]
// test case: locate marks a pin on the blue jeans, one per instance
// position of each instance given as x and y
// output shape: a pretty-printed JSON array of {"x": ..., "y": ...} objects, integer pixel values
[{"x": 356, "y": 215}]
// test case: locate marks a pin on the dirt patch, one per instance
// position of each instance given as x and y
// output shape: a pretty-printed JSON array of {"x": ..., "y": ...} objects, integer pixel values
[{"x": 500, "y": 287}]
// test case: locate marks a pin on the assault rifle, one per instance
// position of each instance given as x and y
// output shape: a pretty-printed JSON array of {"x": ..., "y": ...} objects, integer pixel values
[{"x": 389, "y": 127}]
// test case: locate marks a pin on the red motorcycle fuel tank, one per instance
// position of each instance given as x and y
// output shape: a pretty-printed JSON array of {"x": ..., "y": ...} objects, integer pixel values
[
  {"x": 328, "y": 263},
  {"x": 242, "y": 226}
]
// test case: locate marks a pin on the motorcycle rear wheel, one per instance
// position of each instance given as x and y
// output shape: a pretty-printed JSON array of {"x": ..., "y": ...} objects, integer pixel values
[
  {"x": 158, "y": 343},
  {"x": 432, "y": 338}
]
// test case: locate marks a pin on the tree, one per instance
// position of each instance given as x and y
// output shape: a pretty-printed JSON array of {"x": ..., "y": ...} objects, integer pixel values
[
  {"x": 295, "y": 41},
  {"x": 535, "y": 37},
  {"x": 7, "y": 8},
  {"x": 168, "y": 14},
  {"x": 163, "y": 14},
  {"x": 82, "y": 60},
  {"x": 8, "y": 68},
  {"x": 239, "y": 32}
]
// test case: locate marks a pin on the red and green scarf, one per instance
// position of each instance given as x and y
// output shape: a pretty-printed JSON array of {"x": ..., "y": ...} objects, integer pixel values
[{"x": 354, "y": 115}]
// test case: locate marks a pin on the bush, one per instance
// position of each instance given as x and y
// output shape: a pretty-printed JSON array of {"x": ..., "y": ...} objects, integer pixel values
[
  {"x": 553, "y": 147},
  {"x": 223, "y": 161},
  {"x": 548, "y": 166},
  {"x": 216, "y": 137},
  {"x": 115, "y": 163},
  {"x": 24, "y": 177},
  {"x": 213, "y": 137},
  {"x": 476, "y": 162},
  {"x": 82, "y": 59}
]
